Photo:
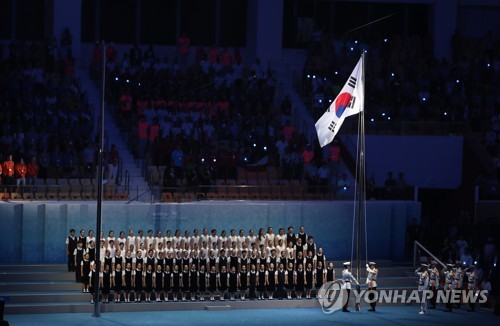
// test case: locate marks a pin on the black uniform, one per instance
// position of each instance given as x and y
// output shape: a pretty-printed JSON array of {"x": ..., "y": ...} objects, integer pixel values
[
  {"x": 176, "y": 281},
  {"x": 148, "y": 279},
  {"x": 281, "y": 283},
  {"x": 262, "y": 281},
  {"x": 193, "y": 278},
  {"x": 167, "y": 277},
  {"x": 118, "y": 280},
  {"x": 79, "y": 259},
  {"x": 83, "y": 240},
  {"x": 72, "y": 244},
  {"x": 106, "y": 282},
  {"x": 271, "y": 279},
  {"x": 291, "y": 284},
  {"x": 299, "y": 286},
  {"x": 252, "y": 284},
  {"x": 223, "y": 281},
  {"x": 202, "y": 280},
  {"x": 138, "y": 283},
  {"x": 170, "y": 263},
  {"x": 158, "y": 283},
  {"x": 91, "y": 252},
  {"x": 319, "y": 277},
  {"x": 243, "y": 281},
  {"x": 212, "y": 281},
  {"x": 86, "y": 271},
  {"x": 128, "y": 280},
  {"x": 309, "y": 279},
  {"x": 330, "y": 274},
  {"x": 185, "y": 281},
  {"x": 233, "y": 282}
]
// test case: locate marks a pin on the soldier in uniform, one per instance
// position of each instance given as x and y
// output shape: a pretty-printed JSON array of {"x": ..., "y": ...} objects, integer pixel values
[
  {"x": 423, "y": 285},
  {"x": 449, "y": 276},
  {"x": 459, "y": 278},
  {"x": 348, "y": 279},
  {"x": 371, "y": 280},
  {"x": 471, "y": 282},
  {"x": 433, "y": 283}
]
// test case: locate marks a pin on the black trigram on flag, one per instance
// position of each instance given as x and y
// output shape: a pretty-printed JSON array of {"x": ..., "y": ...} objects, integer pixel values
[{"x": 352, "y": 81}]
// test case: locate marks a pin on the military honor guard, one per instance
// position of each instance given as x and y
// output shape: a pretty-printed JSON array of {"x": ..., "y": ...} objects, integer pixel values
[
  {"x": 348, "y": 278},
  {"x": 433, "y": 282},
  {"x": 423, "y": 285},
  {"x": 371, "y": 281},
  {"x": 449, "y": 276},
  {"x": 471, "y": 282}
]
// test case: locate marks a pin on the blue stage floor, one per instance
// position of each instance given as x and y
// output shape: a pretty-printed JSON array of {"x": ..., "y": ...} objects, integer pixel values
[{"x": 396, "y": 315}]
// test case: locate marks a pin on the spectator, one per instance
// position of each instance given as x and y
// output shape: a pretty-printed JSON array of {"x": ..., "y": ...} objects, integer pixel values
[
  {"x": 183, "y": 45},
  {"x": 32, "y": 171},
  {"x": 113, "y": 160},
  {"x": 460, "y": 246},
  {"x": 8, "y": 171},
  {"x": 178, "y": 162},
  {"x": 343, "y": 187},
  {"x": 20, "y": 172}
]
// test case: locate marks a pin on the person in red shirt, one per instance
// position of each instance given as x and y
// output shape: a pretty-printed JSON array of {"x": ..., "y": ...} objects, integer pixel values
[
  {"x": 226, "y": 59},
  {"x": 183, "y": 43},
  {"x": 288, "y": 131},
  {"x": 125, "y": 105},
  {"x": 32, "y": 171},
  {"x": 20, "y": 168},
  {"x": 308, "y": 157},
  {"x": 113, "y": 160},
  {"x": 8, "y": 171},
  {"x": 154, "y": 130},
  {"x": 142, "y": 134},
  {"x": 334, "y": 157}
]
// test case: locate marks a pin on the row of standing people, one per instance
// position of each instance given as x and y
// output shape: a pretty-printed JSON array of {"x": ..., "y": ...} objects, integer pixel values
[
  {"x": 256, "y": 282},
  {"x": 454, "y": 277},
  {"x": 209, "y": 244}
]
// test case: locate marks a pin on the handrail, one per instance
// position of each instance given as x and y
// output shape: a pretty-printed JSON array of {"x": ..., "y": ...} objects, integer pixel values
[
  {"x": 136, "y": 197},
  {"x": 418, "y": 244}
]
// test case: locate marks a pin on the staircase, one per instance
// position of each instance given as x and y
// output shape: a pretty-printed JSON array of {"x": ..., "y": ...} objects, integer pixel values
[
  {"x": 43, "y": 289},
  {"x": 131, "y": 181}
]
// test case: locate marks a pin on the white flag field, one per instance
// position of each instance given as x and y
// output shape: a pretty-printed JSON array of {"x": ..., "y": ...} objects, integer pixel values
[{"x": 350, "y": 101}]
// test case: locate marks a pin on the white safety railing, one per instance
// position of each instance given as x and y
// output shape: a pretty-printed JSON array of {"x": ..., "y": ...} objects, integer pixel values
[{"x": 417, "y": 247}]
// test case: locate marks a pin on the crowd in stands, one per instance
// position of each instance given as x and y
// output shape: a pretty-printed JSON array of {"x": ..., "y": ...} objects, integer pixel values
[
  {"x": 43, "y": 112},
  {"x": 202, "y": 119},
  {"x": 408, "y": 83}
]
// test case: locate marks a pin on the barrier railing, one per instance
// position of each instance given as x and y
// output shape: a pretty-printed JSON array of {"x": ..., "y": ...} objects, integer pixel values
[{"x": 417, "y": 248}]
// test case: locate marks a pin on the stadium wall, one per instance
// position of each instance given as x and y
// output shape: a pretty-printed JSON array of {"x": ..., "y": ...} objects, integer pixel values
[{"x": 35, "y": 232}]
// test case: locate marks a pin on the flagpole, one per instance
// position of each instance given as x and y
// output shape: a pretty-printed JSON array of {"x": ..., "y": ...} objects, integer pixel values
[
  {"x": 95, "y": 279},
  {"x": 361, "y": 175}
]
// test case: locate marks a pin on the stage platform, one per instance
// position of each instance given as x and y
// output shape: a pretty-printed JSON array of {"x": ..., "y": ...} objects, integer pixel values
[
  {"x": 49, "y": 289},
  {"x": 387, "y": 315}
]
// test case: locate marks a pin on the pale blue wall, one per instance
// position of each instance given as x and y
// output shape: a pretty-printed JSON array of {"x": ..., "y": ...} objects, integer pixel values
[{"x": 35, "y": 232}]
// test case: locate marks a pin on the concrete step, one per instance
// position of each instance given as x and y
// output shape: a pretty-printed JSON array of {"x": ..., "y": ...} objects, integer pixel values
[
  {"x": 33, "y": 268},
  {"x": 37, "y": 276},
  {"x": 52, "y": 296},
  {"x": 38, "y": 286},
  {"x": 87, "y": 307}
]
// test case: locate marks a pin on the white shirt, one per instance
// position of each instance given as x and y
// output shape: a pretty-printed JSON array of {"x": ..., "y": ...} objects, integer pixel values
[
  {"x": 348, "y": 278},
  {"x": 372, "y": 276}
]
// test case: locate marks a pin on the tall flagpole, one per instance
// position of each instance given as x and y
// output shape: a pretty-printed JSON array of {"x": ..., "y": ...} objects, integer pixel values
[
  {"x": 95, "y": 276},
  {"x": 361, "y": 174}
]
